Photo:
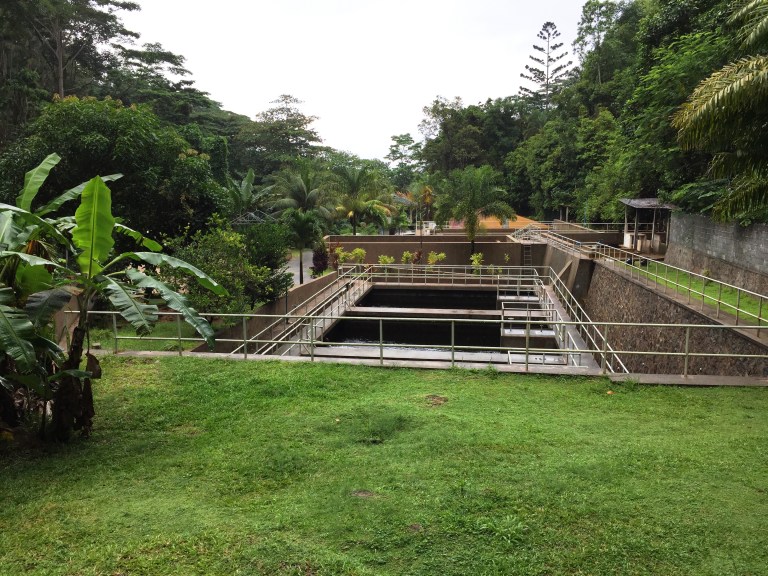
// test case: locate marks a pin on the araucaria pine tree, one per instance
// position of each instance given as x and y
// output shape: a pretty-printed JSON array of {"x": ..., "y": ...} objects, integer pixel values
[{"x": 550, "y": 69}]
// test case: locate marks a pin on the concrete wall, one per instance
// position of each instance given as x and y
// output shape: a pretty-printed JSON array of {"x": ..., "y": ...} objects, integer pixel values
[
  {"x": 456, "y": 248},
  {"x": 728, "y": 252},
  {"x": 295, "y": 296},
  {"x": 576, "y": 276},
  {"x": 615, "y": 298}
]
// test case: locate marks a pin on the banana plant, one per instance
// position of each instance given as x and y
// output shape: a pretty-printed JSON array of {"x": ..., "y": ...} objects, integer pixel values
[{"x": 96, "y": 272}]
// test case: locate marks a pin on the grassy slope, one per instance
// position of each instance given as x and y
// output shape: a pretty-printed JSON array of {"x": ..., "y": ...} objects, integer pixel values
[{"x": 211, "y": 467}]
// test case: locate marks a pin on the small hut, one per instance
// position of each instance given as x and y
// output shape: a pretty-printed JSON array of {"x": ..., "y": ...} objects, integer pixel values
[{"x": 648, "y": 230}]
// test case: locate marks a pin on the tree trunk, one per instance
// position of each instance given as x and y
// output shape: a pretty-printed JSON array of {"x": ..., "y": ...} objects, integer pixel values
[
  {"x": 301, "y": 266},
  {"x": 73, "y": 400}
]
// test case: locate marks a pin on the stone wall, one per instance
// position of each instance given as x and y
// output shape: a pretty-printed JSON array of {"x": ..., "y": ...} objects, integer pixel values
[
  {"x": 613, "y": 297},
  {"x": 727, "y": 252}
]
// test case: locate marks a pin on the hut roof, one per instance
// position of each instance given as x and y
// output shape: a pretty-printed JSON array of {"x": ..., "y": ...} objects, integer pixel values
[{"x": 647, "y": 203}]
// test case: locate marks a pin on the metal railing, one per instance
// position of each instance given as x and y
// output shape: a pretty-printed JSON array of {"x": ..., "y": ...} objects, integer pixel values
[
  {"x": 334, "y": 300},
  {"x": 745, "y": 306},
  {"x": 310, "y": 344}
]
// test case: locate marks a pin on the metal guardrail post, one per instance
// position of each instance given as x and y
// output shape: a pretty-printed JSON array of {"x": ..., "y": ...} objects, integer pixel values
[
  {"x": 719, "y": 298},
  {"x": 178, "y": 334},
  {"x": 114, "y": 331},
  {"x": 759, "y": 317},
  {"x": 687, "y": 349},
  {"x": 245, "y": 337},
  {"x": 689, "y": 288},
  {"x": 453, "y": 342},
  {"x": 605, "y": 350},
  {"x": 381, "y": 342},
  {"x": 311, "y": 340},
  {"x": 738, "y": 305},
  {"x": 527, "y": 342}
]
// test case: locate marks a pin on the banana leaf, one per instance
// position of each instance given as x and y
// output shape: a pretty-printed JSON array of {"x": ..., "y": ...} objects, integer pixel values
[
  {"x": 16, "y": 331},
  {"x": 34, "y": 220},
  {"x": 32, "y": 279},
  {"x": 175, "y": 301},
  {"x": 9, "y": 231},
  {"x": 34, "y": 179},
  {"x": 41, "y": 306},
  {"x": 156, "y": 259},
  {"x": 93, "y": 233},
  {"x": 141, "y": 316},
  {"x": 31, "y": 259},
  {"x": 71, "y": 194},
  {"x": 141, "y": 240}
]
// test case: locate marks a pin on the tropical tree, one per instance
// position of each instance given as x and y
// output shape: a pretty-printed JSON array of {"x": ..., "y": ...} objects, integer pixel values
[
  {"x": 727, "y": 114},
  {"x": 466, "y": 195},
  {"x": 245, "y": 197},
  {"x": 549, "y": 68},
  {"x": 597, "y": 17},
  {"x": 73, "y": 34},
  {"x": 276, "y": 139},
  {"x": 303, "y": 190},
  {"x": 306, "y": 206},
  {"x": 104, "y": 137},
  {"x": 305, "y": 231},
  {"x": 44, "y": 284},
  {"x": 359, "y": 199}
]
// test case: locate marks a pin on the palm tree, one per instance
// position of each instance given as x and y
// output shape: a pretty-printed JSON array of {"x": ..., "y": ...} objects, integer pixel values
[
  {"x": 469, "y": 194},
  {"x": 359, "y": 198},
  {"x": 303, "y": 190},
  {"x": 727, "y": 114},
  {"x": 305, "y": 232},
  {"x": 306, "y": 208}
]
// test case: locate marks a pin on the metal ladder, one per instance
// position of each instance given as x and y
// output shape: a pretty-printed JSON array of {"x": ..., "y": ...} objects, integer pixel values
[{"x": 527, "y": 258}]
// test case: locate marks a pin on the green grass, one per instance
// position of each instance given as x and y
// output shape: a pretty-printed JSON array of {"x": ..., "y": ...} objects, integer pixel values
[
  {"x": 681, "y": 281},
  {"x": 215, "y": 467},
  {"x": 167, "y": 329}
]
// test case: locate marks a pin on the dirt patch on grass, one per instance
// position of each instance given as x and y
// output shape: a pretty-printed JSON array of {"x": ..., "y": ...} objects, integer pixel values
[
  {"x": 435, "y": 400},
  {"x": 363, "y": 494}
]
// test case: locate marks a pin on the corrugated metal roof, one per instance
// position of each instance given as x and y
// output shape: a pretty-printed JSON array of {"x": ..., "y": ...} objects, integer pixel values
[{"x": 649, "y": 203}]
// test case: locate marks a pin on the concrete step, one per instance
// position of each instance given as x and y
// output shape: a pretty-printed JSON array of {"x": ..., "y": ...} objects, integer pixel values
[
  {"x": 524, "y": 314},
  {"x": 534, "y": 333},
  {"x": 516, "y": 298}
]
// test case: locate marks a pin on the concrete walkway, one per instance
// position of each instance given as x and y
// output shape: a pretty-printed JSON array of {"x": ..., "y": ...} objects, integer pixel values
[{"x": 293, "y": 267}]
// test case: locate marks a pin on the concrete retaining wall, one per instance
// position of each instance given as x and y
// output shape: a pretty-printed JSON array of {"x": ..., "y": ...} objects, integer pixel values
[
  {"x": 456, "y": 248},
  {"x": 295, "y": 296},
  {"x": 615, "y": 298},
  {"x": 727, "y": 252}
]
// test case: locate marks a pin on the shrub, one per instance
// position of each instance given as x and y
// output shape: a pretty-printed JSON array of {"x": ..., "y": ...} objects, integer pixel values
[
  {"x": 384, "y": 259},
  {"x": 433, "y": 258},
  {"x": 223, "y": 254},
  {"x": 319, "y": 260}
]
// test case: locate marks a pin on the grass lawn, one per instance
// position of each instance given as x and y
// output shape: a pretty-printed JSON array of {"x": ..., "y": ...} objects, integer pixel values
[
  {"x": 214, "y": 467},
  {"x": 165, "y": 329},
  {"x": 729, "y": 299}
]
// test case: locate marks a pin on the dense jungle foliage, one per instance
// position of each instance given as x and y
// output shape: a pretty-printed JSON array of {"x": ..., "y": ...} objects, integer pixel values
[{"x": 601, "y": 119}]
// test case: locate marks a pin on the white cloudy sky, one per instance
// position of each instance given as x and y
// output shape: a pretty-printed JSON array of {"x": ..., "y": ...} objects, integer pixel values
[{"x": 366, "y": 68}]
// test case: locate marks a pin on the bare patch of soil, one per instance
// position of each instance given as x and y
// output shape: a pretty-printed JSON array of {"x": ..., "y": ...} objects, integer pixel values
[
  {"x": 363, "y": 494},
  {"x": 436, "y": 400}
]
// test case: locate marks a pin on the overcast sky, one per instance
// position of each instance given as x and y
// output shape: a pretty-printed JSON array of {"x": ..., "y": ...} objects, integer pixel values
[{"x": 366, "y": 68}]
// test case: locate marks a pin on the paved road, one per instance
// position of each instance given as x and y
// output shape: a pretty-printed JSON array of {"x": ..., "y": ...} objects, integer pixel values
[{"x": 293, "y": 267}]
